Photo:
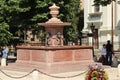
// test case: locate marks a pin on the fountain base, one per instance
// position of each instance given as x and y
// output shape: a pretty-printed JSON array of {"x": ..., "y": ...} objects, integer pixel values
[{"x": 54, "y": 55}]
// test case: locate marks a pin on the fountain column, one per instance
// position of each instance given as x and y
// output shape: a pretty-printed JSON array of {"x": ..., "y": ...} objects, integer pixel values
[{"x": 54, "y": 28}]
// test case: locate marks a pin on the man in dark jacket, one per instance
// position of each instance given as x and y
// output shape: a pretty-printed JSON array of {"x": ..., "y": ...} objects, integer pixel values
[{"x": 109, "y": 50}]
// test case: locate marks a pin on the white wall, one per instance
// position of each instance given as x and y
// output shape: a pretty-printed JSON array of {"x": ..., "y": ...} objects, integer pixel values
[
  {"x": 106, "y": 19},
  {"x": 117, "y": 16},
  {"x": 86, "y": 10}
]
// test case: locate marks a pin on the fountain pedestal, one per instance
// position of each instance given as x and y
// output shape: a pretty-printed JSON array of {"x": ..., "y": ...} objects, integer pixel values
[{"x": 54, "y": 28}]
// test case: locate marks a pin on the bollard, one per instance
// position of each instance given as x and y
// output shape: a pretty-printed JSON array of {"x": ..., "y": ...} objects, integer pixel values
[
  {"x": 35, "y": 75},
  {"x": 119, "y": 70},
  {"x": 3, "y": 62}
]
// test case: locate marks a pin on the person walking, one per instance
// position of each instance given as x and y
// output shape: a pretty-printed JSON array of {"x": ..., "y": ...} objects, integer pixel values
[
  {"x": 109, "y": 50},
  {"x": 5, "y": 52},
  {"x": 103, "y": 54},
  {"x": 4, "y": 56}
]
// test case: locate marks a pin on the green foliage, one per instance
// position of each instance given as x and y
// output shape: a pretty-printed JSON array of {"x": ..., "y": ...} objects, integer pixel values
[
  {"x": 69, "y": 12},
  {"x": 70, "y": 33},
  {"x": 94, "y": 78},
  {"x": 5, "y": 18},
  {"x": 21, "y": 15},
  {"x": 102, "y": 2},
  {"x": 41, "y": 34},
  {"x": 5, "y": 35},
  {"x": 94, "y": 73}
]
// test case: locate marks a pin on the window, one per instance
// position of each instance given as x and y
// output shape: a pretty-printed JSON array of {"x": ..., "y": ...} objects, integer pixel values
[{"x": 96, "y": 8}]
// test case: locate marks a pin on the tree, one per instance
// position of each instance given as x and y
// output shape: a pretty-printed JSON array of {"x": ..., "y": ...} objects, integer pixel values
[
  {"x": 102, "y": 2},
  {"x": 5, "y": 35},
  {"x": 73, "y": 16},
  {"x": 9, "y": 18},
  {"x": 21, "y": 15},
  {"x": 69, "y": 12},
  {"x": 39, "y": 12}
]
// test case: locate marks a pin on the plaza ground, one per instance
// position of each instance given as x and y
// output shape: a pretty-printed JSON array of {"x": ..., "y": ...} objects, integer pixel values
[
  {"x": 15, "y": 71},
  {"x": 36, "y": 72}
]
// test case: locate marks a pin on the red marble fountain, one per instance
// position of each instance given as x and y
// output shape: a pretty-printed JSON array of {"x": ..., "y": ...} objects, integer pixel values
[{"x": 54, "y": 52}]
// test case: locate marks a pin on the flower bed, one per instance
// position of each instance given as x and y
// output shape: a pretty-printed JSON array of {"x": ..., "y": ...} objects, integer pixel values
[{"x": 96, "y": 72}]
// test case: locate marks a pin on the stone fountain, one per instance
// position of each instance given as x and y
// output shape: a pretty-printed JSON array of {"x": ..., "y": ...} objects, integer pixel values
[{"x": 54, "y": 52}]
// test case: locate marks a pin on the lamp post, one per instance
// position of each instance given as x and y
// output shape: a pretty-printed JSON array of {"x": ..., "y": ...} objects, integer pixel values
[
  {"x": 24, "y": 36},
  {"x": 112, "y": 31}
]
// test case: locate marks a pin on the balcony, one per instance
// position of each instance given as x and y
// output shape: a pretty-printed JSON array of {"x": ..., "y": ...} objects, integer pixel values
[
  {"x": 96, "y": 23},
  {"x": 95, "y": 14}
]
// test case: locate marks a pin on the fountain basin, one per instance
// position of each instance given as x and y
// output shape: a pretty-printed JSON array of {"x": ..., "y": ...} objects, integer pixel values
[{"x": 54, "y": 55}]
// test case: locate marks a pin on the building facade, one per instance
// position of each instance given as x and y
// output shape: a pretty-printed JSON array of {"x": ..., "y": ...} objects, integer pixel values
[{"x": 106, "y": 22}]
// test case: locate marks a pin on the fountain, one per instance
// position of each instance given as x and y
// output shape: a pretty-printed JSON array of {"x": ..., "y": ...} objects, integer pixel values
[{"x": 54, "y": 52}]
